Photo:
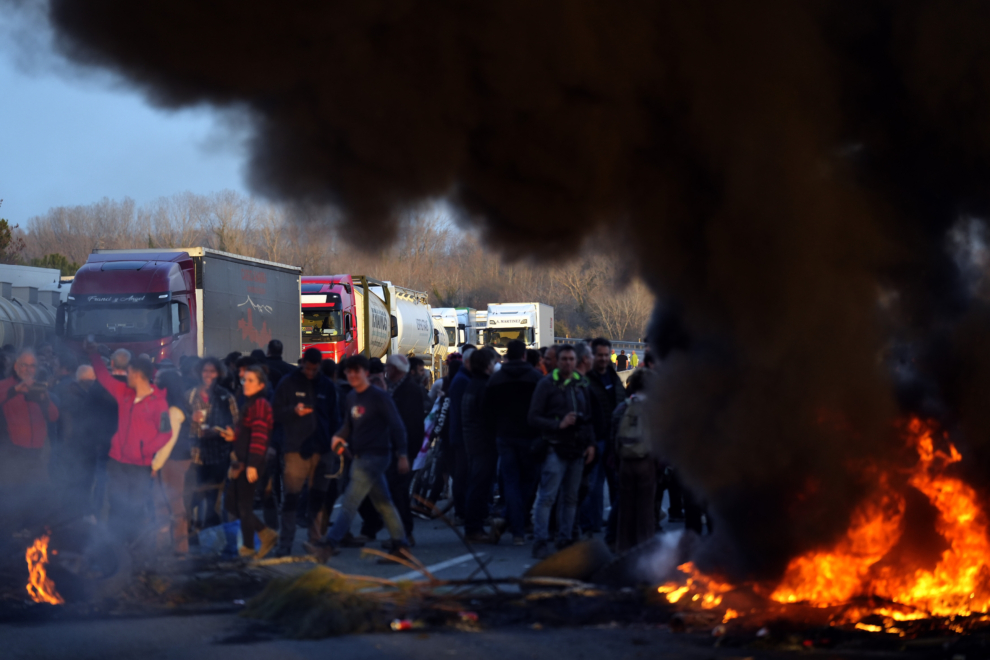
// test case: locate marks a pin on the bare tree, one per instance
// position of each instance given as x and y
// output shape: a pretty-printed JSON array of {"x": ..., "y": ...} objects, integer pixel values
[{"x": 590, "y": 294}]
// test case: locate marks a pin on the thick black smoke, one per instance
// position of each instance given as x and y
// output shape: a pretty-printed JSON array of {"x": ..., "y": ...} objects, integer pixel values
[{"x": 785, "y": 174}]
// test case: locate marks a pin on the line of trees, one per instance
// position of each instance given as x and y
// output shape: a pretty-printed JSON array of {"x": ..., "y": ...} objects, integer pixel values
[{"x": 590, "y": 293}]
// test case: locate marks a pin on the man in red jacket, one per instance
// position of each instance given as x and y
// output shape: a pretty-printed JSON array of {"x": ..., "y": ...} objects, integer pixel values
[
  {"x": 142, "y": 429},
  {"x": 27, "y": 410}
]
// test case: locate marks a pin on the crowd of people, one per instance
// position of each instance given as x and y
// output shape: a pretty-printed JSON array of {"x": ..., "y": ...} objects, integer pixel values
[{"x": 524, "y": 444}]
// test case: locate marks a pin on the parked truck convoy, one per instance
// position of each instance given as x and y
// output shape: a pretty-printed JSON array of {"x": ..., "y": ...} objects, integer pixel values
[
  {"x": 530, "y": 322},
  {"x": 169, "y": 303},
  {"x": 343, "y": 315}
]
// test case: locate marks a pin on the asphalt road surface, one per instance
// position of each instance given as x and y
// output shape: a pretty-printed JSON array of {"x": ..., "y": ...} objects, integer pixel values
[{"x": 218, "y": 637}]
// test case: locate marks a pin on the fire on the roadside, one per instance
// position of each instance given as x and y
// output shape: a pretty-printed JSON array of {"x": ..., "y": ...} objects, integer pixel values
[
  {"x": 40, "y": 587},
  {"x": 860, "y": 566}
]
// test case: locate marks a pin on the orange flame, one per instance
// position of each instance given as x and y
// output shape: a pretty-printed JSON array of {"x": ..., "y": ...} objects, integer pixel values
[
  {"x": 707, "y": 593},
  {"x": 860, "y": 564},
  {"x": 959, "y": 584},
  {"x": 39, "y": 586}
]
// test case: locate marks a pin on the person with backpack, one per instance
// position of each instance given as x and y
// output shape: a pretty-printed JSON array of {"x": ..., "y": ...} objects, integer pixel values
[{"x": 637, "y": 465}]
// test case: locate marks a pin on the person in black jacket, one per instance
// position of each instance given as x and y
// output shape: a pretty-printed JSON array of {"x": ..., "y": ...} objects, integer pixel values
[
  {"x": 277, "y": 367},
  {"x": 560, "y": 410},
  {"x": 479, "y": 444},
  {"x": 306, "y": 407},
  {"x": 608, "y": 392},
  {"x": 408, "y": 398},
  {"x": 506, "y": 407},
  {"x": 87, "y": 424}
]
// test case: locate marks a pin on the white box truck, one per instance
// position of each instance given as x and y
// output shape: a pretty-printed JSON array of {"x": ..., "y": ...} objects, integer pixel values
[{"x": 530, "y": 322}]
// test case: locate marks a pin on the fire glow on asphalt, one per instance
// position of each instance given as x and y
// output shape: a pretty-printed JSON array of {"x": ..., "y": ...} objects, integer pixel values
[{"x": 863, "y": 565}]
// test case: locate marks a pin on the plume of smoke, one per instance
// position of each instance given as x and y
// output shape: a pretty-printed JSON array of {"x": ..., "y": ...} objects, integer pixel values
[{"x": 783, "y": 173}]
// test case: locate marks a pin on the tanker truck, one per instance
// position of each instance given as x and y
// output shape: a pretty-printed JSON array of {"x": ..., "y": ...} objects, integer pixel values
[
  {"x": 343, "y": 315},
  {"x": 29, "y": 300}
]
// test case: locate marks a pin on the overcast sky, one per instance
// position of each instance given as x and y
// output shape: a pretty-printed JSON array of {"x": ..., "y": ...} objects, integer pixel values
[{"x": 67, "y": 140}]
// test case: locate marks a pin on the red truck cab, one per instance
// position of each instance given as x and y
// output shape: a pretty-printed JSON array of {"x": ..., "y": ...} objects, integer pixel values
[
  {"x": 145, "y": 303},
  {"x": 328, "y": 315}
]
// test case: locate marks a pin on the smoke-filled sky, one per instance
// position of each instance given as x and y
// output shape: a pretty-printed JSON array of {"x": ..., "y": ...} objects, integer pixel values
[
  {"x": 783, "y": 173},
  {"x": 67, "y": 139}
]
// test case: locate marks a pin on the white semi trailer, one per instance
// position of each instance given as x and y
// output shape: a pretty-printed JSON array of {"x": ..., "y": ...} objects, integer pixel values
[{"x": 530, "y": 322}]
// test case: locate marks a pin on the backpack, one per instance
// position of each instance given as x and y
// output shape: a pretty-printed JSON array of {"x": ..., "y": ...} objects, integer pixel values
[{"x": 632, "y": 437}]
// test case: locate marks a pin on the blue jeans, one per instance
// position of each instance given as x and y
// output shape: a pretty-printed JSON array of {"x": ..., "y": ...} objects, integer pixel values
[
  {"x": 519, "y": 472},
  {"x": 367, "y": 480},
  {"x": 565, "y": 476}
]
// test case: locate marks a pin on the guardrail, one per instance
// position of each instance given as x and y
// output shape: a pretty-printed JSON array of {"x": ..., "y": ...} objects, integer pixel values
[{"x": 627, "y": 346}]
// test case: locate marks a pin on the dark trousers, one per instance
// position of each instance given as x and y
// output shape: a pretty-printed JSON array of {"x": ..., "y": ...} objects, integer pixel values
[
  {"x": 210, "y": 480},
  {"x": 693, "y": 510},
  {"x": 519, "y": 470},
  {"x": 483, "y": 469},
  {"x": 398, "y": 486},
  {"x": 461, "y": 477},
  {"x": 129, "y": 491},
  {"x": 239, "y": 499},
  {"x": 672, "y": 484},
  {"x": 592, "y": 509},
  {"x": 272, "y": 489},
  {"x": 637, "y": 487},
  {"x": 78, "y": 475},
  {"x": 297, "y": 472}
]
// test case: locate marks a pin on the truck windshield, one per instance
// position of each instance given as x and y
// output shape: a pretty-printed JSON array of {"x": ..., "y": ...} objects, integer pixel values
[
  {"x": 118, "y": 323},
  {"x": 451, "y": 338},
  {"x": 501, "y": 337},
  {"x": 320, "y": 324}
]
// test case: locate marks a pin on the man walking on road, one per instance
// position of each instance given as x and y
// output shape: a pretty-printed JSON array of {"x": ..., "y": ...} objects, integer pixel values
[
  {"x": 373, "y": 436},
  {"x": 561, "y": 412},
  {"x": 506, "y": 408},
  {"x": 306, "y": 407}
]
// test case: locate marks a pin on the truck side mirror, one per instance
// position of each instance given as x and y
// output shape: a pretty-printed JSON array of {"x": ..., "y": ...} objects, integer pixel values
[
  {"x": 395, "y": 327},
  {"x": 60, "y": 320}
]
